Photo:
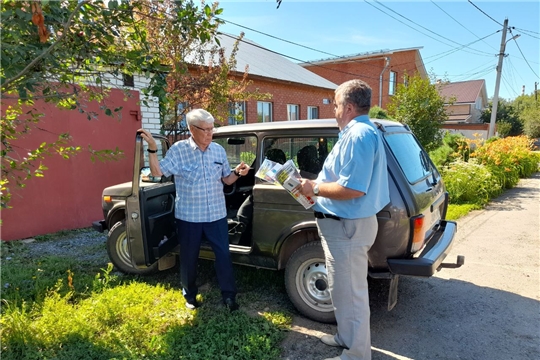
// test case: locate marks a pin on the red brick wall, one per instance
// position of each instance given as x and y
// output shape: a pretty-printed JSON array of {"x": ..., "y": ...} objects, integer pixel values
[
  {"x": 369, "y": 71},
  {"x": 68, "y": 197},
  {"x": 286, "y": 93}
]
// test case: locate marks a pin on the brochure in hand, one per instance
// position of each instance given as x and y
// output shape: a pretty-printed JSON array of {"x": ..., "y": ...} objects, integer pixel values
[{"x": 286, "y": 175}]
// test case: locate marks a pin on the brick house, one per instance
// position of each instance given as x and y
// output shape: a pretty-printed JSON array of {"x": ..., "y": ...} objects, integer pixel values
[
  {"x": 296, "y": 93},
  {"x": 382, "y": 70}
]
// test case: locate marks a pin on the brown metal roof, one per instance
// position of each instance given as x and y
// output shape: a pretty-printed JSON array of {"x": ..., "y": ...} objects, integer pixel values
[{"x": 464, "y": 91}]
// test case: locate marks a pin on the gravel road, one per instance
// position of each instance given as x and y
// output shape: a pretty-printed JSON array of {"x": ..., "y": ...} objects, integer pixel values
[{"x": 487, "y": 309}]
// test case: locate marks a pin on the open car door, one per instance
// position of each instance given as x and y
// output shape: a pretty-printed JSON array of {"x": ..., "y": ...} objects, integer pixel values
[{"x": 150, "y": 220}]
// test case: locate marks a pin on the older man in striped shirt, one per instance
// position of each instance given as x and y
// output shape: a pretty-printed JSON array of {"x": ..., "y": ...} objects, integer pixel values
[{"x": 200, "y": 167}]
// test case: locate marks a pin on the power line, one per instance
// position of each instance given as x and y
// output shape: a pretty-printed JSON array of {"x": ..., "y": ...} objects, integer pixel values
[
  {"x": 463, "y": 26},
  {"x": 530, "y": 67},
  {"x": 479, "y": 51},
  {"x": 483, "y": 12},
  {"x": 451, "y": 51}
]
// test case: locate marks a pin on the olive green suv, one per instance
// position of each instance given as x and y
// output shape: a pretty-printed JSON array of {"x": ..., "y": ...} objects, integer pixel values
[{"x": 413, "y": 237}]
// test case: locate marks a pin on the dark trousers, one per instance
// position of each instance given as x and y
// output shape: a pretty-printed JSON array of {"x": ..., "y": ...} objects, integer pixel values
[{"x": 190, "y": 235}]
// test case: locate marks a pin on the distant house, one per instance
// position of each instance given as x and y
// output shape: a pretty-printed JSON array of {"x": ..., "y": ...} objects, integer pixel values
[
  {"x": 469, "y": 100},
  {"x": 382, "y": 70}
]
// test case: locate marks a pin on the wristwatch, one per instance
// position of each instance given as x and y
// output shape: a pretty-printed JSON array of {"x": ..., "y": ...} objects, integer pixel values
[
  {"x": 151, "y": 151},
  {"x": 316, "y": 189},
  {"x": 237, "y": 173}
]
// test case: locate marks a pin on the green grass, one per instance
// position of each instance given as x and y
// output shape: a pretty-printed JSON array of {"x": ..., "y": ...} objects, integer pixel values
[
  {"x": 57, "y": 307},
  {"x": 454, "y": 212}
]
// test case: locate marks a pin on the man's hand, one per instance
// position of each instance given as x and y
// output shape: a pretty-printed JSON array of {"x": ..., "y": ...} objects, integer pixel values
[
  {"x": 145, "y": 134},
  {"x": 242, "y": 169},
  {"x": 306, "y": 187}
]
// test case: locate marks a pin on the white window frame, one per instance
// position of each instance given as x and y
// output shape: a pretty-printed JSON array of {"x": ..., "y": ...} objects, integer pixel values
[
  {"x": 264, "y": 111},
  {"x": 310, "y": 112},
  {"x": 293, "y": 112},
  {"x": 392, "y": 83}
]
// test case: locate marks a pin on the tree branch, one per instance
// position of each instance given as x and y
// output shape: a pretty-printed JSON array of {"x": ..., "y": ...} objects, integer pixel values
[{"x": 49, "y": 50}]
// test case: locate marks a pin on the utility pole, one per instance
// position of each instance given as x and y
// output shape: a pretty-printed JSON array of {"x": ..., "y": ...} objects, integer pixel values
[{"x": 491, "y": 131}]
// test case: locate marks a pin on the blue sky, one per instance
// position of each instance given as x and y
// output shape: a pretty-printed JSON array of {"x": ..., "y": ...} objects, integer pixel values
[{"x": 441, "y": 28}]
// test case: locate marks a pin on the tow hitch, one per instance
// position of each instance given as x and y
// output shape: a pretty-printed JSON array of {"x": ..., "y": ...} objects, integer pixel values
[{"x": 459, "y": 262}]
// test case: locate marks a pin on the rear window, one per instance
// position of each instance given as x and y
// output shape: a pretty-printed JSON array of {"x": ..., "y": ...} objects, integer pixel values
[{"x": 410, "y": 156}]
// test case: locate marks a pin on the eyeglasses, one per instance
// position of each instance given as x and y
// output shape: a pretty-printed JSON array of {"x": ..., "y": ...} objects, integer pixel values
[{"x": 206, "y": 131}]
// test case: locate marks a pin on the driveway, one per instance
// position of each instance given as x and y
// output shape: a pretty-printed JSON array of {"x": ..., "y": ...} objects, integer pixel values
[{"x": 487, "y": 309}]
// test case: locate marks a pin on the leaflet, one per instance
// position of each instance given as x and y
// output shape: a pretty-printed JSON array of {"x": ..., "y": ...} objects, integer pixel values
[{"x": 288, "y": 177}]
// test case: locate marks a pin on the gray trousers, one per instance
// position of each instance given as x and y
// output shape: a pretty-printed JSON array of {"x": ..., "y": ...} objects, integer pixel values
[{"x": 346, "y": 243}]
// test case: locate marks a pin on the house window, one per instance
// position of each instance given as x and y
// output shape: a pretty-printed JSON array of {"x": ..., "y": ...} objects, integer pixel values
[
  {"x": 264, "y": 111},
  {"x": 292, "y": 112},
  {"x": 312, "y": 112},
  {"x": 392, "y": 83},
  {"x": 237, "y": 113},
  {"x": 128, "y": 80}
]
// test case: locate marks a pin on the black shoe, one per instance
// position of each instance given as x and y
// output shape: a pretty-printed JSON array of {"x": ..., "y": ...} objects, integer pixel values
[
  {"x": 192, "y": 305},
  {"x": 231, "y": 304}
]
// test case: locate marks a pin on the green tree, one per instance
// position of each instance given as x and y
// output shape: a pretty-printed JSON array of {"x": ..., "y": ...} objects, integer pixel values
[
  {"x": 65, "y": 52},
  {"x": 420, "y": 106},
  {"x": 507, "y": 120},
  {"x": 528, "y": 110},
  {"x": 377, "y": 112}
]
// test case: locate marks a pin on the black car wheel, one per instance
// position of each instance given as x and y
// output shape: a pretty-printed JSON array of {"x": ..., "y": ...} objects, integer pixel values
[
  {"x": 307, "y": 284},
  {"x": 118, "y": 250}
]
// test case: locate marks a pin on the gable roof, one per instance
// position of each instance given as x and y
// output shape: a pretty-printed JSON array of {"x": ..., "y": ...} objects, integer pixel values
[
  {"x": 268, "y": 64},
  {"x": 373, "y": 54},
  {"x": 465, "y": 92}
]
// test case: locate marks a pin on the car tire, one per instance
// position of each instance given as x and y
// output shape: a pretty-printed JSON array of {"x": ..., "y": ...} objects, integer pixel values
[
  {"x": 307, "y": 285},
  {"x": 118, "y": 250}
]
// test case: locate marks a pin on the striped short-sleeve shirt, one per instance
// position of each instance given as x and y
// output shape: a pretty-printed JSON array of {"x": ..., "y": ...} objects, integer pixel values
[{"x": 197, "y": 175}]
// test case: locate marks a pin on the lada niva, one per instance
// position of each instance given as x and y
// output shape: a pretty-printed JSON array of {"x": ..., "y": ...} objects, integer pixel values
[{"x": 413, "y": 238}]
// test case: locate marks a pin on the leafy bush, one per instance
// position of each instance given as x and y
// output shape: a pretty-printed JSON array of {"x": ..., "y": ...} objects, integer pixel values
[
  {"x": 377, "y": 112},
  {"x": 455, "y": 146},
  {"x": 509, "y": 159},
  {"x": 469, "y": 182}
]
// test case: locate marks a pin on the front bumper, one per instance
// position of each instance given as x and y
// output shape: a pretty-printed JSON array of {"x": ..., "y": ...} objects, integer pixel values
[
  {"x": 99, "y": 226},
  {"x": 432, "y": 259}
]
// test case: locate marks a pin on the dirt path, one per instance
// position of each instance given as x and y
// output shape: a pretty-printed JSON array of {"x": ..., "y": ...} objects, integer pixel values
[{"x": 487, "y": 309}]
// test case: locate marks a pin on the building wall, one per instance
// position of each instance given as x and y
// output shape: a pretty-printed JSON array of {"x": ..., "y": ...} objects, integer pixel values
[
  {"x": 458, "y": 109},
  {"x": 68, "y": 196},
  {"x": 402, "y": 63},
  {"x": 283, "y": 94}
]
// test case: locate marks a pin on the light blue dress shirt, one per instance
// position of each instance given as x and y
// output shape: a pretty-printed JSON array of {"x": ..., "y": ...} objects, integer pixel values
[{"x": 357, "y": 161}]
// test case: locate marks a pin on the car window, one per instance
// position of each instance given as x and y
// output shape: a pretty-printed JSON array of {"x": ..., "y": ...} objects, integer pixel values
[
  {"x": 411, "y": 157},
  {"x": 308, "y": 153},
  {"x": 239, "y": 148}
]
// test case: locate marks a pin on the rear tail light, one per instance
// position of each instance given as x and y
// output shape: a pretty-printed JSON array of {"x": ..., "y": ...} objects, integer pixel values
[
  {"x": 418, "y": 233},
  {"x": 107, "y": 198}
]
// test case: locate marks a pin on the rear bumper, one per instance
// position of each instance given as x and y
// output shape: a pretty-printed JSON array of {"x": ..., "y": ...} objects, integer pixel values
[
  {"x": 431, "y": 260},
  {"x": 99, "y": 226}
]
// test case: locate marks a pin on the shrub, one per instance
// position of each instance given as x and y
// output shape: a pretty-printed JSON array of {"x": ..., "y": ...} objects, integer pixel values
[
  {"x": 377, "y": 112},
  {"x": 509, "y": 159},
  {"x": 469, "y": 182}
]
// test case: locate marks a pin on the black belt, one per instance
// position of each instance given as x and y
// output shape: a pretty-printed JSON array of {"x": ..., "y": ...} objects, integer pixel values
[{"x": 320, "y": 215}]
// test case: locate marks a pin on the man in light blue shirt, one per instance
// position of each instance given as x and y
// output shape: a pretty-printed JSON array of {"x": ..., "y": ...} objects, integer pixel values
[
  {"x": 200, "y": 167},
  {"x": 351, "y": 189}
]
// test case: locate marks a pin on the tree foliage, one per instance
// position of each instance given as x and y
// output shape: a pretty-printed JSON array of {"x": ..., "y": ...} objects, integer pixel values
[
  {"x": 507, "y": 120},
  {"x": 69, "y": 52},
  {"x": 200, "y": 75},
  {"x": 528, "y": 109},
  {"x": 420, "y": 106}
]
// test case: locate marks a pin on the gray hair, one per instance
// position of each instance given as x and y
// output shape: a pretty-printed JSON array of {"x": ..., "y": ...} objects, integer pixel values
[
  {"x": 357, "y": 93},
  {"x": 197, "y": 115}
]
